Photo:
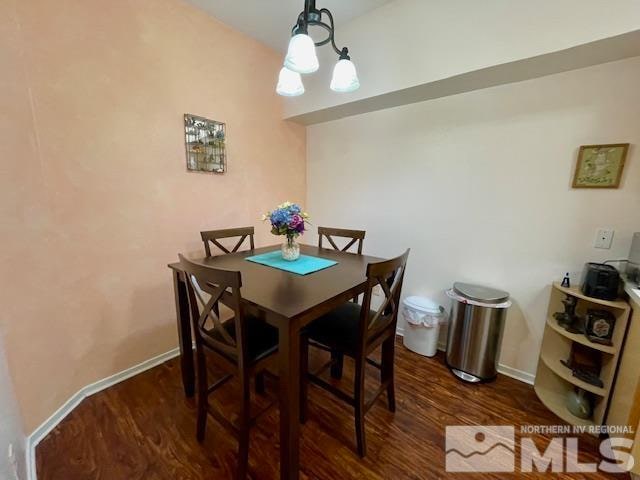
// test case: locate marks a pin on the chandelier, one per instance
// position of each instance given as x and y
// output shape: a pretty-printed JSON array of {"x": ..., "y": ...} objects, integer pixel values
[{"x": 302, "y": 59}]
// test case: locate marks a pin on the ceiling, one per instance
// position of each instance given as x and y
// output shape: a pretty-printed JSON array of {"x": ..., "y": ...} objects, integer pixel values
[{"x": 270, "y": 21}]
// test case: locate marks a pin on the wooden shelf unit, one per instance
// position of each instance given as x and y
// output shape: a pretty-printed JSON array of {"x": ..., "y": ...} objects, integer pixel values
[{"x": 554, "y": 380}]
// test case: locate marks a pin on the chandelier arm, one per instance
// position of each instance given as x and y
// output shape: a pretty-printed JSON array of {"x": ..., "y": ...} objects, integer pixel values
[
  {"x": 299, "y": 24},
  {"x": 304, "y": 22},
  {"x": 331, "y": 31},
  {"x": 326, "y": 27},
  {"x": 307, "y": 9}
]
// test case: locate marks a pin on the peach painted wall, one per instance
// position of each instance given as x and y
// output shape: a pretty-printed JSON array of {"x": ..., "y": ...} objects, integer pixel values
[{"x": 94, "y": 196}]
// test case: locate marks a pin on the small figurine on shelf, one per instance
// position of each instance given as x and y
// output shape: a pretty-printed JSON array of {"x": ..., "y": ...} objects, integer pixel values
[
  {"x": 566, "y": 281},
  {"x": 569, "y": 316}
]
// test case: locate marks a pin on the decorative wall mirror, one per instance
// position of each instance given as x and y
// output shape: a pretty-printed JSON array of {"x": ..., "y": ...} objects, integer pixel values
[{"x": 205, "y": 144}]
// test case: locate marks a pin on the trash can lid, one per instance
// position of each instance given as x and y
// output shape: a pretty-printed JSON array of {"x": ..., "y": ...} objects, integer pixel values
[
  {"x": 480, "y": 293},
  {"x": 423, "y": 304}
]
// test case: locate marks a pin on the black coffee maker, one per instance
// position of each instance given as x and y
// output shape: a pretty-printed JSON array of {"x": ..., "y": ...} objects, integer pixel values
[{"x": 600, "y": 281}]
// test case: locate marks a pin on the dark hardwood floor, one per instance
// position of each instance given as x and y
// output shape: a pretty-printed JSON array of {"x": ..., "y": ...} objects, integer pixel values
[{"x": 144, "y": 428}]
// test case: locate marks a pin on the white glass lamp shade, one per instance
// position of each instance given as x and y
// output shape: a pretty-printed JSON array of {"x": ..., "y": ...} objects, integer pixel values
[
  {"x": 289, "y": 83},
  {"x": 301, "y": 56},
  {"x": 345, "y": 77}
]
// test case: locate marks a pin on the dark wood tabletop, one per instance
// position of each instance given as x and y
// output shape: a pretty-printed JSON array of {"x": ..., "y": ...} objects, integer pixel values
[
  {"x": 289, "y": 302},
  {"x": 288, "y": 294}
]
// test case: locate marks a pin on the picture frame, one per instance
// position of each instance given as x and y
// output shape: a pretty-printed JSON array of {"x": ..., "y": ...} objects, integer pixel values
[
  {"x": 205, "y": 144},
  {"x": 600, "y": 166}
]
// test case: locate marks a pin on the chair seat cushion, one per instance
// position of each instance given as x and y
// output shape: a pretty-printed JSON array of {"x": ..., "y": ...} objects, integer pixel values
[
  {"x": 339, "y": 328},
  {"x": 262, "y": 338}
]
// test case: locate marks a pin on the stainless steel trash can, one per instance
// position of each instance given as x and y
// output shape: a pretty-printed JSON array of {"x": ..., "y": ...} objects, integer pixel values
[{"x": 475, "y": 331}]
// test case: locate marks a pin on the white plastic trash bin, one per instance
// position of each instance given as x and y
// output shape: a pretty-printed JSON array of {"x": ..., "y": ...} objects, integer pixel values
[{"x": 422, "y": 325}]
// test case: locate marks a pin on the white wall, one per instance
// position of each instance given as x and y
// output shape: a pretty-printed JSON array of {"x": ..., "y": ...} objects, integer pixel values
[
  {"x": 11, "y": 432},
  {"x": 413, "y": 42},
  {"x": 478, "y": 185}
]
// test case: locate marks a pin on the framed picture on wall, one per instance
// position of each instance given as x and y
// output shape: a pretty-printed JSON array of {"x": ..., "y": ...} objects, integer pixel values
[
  {"x": 600, "y": 166},
  {"x": 205, "y": 142}
]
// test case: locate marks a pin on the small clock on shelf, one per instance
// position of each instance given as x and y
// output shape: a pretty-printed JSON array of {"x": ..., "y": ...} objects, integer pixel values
[{"x": 599, "y": 326}]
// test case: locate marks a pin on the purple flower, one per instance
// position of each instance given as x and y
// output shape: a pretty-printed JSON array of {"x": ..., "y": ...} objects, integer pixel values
[{"x": 295, "y": 221}]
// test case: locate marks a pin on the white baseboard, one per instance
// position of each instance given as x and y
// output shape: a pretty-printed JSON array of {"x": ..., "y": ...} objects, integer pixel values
[
  {"x": 43, "y": 430},
  {"x": 521, "y": 375}
]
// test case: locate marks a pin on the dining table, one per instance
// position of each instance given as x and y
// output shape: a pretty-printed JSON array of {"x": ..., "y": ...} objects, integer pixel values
[{"x": 288, "y": 301}]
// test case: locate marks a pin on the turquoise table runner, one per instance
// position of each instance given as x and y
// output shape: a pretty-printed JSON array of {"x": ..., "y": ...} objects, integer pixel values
[{"x": 302, "y": 266}]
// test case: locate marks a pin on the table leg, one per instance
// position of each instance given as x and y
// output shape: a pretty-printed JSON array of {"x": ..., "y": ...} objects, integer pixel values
[
  {"x": 184, "y": 334},
  {"x": 289, "y": 366}
]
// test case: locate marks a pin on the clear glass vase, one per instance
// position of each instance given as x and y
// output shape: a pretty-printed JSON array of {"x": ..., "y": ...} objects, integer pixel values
[{"x": 290, "y": 249}]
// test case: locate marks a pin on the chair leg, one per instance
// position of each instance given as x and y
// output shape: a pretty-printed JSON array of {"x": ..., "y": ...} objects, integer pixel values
[
  {"x": 245, "y": 428},
  {"x": 260, "y": 383},
  {"x": 203, "y": 396},
  {"x": 337, "y": 359},
  {"x": 387, "y": 372},
  {"x": 304, "y": 377},
  {"x": 359, "y": 407}
]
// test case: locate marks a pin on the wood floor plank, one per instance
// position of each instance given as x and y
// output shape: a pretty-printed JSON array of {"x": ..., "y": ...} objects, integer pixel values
[{"x": 144, "y": 429}]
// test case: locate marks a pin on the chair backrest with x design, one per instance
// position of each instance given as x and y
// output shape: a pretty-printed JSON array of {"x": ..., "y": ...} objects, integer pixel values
[
  {"x": 352, "y": 236},
  {"x": 389, "y": 275},
  {"x": 213, "y": 236},
  {"x": 205, "y": 313}
]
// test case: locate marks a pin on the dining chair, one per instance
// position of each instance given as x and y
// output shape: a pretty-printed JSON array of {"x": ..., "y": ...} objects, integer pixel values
[
  {"x": 352, "y": 235},
  {"x": 357, "y": 331},
  {"x": 243, "y": 345},
  {"x": 213, "y": 237}
]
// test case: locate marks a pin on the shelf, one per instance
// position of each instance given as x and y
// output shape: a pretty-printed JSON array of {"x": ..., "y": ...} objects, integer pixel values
[
  {"x": 556, "y": 403},
  {"x": 563, "y": 372},
  {"x": 554, "y": 381},
  {"x": 580, "y": 338},
  {"x": 575, "y": 292}
]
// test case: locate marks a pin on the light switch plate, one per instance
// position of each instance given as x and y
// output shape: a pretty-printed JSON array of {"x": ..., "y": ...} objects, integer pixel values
[{"x": 604, "y": 238}]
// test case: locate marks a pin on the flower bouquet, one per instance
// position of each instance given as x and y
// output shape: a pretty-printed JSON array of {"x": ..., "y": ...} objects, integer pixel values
[{"x": 288, "y": 219}]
